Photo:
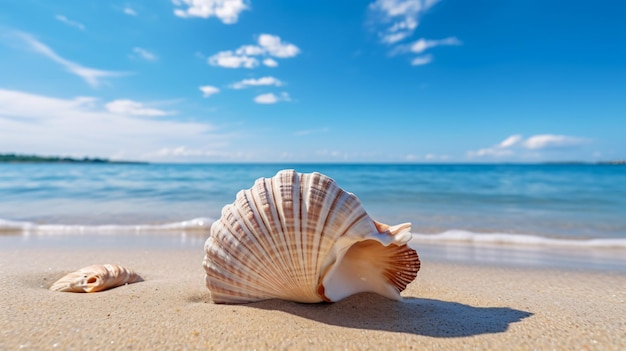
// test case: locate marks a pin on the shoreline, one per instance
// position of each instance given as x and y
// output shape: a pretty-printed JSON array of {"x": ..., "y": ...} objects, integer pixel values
[
  {"x": 478, "y": 253},
  {"x": 450, "y": 306}
]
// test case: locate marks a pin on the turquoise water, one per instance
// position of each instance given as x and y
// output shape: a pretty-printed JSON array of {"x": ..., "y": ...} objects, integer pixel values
[{"x": 549, "y": 201}]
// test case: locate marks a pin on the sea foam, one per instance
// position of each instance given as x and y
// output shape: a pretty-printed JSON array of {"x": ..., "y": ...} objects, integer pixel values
[
  {"x": 26, "y": 228},
  {"x": 463, "y": 236},
  {"x": 203, "y": 224}
]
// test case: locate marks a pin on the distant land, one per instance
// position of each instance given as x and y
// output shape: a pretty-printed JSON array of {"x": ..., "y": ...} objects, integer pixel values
[
  {"x": 15, "y": 158},
  {"x": 612, "y": 162},
  {"x": 18, "y": 158}
]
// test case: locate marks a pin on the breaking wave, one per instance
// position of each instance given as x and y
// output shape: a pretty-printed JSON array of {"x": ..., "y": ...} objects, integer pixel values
[
  {"x": 26, "y": 228},
  {"x": 203, "y": 224},
  {"x": 463, "y": 236}
]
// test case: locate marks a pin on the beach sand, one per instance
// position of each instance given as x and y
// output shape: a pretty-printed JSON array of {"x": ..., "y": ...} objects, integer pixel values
[{"x": 450, "y": 306}]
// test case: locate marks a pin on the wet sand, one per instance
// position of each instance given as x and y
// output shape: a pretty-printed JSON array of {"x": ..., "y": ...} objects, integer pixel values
[{"x": 450, "y": 306}]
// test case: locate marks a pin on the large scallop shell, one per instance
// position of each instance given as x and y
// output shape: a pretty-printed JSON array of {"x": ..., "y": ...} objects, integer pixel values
[
  {"x": 300, "y": 237},
  {"x": 96, "y": 278}
]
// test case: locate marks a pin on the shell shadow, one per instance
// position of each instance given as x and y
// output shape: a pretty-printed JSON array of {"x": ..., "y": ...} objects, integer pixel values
[{"x": 428, "y": 317}]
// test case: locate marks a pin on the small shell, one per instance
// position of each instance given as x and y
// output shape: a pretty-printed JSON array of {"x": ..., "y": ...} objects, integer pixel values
[
  {"x": 96, "y": 278},
  {"x": 300, "y": 237}
]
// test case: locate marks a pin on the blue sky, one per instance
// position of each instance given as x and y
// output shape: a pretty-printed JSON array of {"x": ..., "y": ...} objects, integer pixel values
[{"x": 314, "y": 81}]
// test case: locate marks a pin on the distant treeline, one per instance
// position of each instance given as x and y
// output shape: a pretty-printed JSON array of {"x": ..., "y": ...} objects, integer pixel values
[
  {"x": 612, "y": 162},
  {"x": 15, "y": 158},
  {"x": 616, "y": 162}
]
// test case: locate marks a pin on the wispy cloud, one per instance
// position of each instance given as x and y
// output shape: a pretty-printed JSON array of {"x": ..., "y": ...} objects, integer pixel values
[
  {"x": 208, "y": 90},
  {"x": 427, "y": 158},
  {"x": 271, "y": 98},
  {"x": 550, "y": 141},
  {"x": 422, "y": 44},
  {"x": 513, "y": 143},
  {"x": 92, "y": 76},
  {"x": 434, "y": 157},
  {"x": 311, "y": 131},
  {"x": 134, "y": 108},
  {"x": 83, "y": 124},
  {"x": 187, "y": 153},
  {"x": 129, "y": 11},
  {"x": 70, "y": 23},
  {"x": 226, "y": 10},
  {"x": 495, "y": 152},
  {"x": 245, "y": 56},
  {"x": 145, "y": 54},
  {"x": 422, "y": 60},
  {"x": 263, "y": 81},
  {"x": 510, "y": 141},
  {"x": 401, "y": 17},
  {"x": 499, "y": 150},
  {"x": 337, "y": 155}
]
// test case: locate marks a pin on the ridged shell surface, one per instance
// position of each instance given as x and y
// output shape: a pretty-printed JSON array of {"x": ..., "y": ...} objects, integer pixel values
[
  {"x": 300, "y": 237},
  {"x": 96, "y": 278}
]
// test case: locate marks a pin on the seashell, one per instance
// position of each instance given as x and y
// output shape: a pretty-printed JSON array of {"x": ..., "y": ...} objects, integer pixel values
[
  {"x": 96, "y": 278},
  {"x": 300, "y": 237}
]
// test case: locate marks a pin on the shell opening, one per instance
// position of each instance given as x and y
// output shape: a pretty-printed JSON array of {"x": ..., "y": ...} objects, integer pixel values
[
  {"x": 359, "y": 270},
  {"x": 384, "y": 265}
]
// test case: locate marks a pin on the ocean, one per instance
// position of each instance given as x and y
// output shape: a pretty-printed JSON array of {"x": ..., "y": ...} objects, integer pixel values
[{"x": 456, "y": 210}]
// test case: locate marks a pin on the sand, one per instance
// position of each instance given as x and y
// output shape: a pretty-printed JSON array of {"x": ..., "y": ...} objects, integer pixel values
[{"x": 450, "y": 306}]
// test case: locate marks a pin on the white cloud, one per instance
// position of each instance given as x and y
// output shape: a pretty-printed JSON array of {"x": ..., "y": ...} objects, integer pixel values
[
  {"x": 226, "y": 10},
  {"x": 422, "y": 60},
  {"x": 271, "y": 98},
  {"x": 69, "y": 22},
  {"x": 82, "y": 124},
  {"x": 513, "y": 143},
  {"x": 145, "y": 54},
  {"x": 268, "y": 98},
  {"x": 208, "y": 90},
  {"x": 510, "y": 141},
  {"x": 228, "y": 59},
  {"x": 422, "y": 44},
  {"x": 270, "y": 62},
  {"x": 546, "y": 141},
  {"x": 133, "y": 108},
  {"x": 274, "y": 46},
  {"x": 403, "y": 16},
  {"x": 267, "y": 45},
  {"x": 263, "y": 81},
  {"x": 250, "y": 50},
  {"x": 129, "y": 11},
  {"x": 499, "y": 150},
  {"x": 92, "y": 76}
]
